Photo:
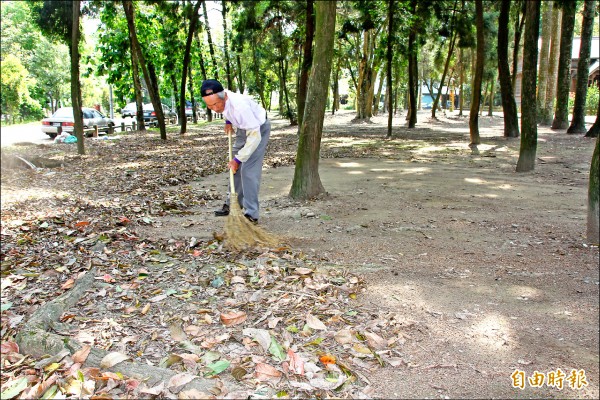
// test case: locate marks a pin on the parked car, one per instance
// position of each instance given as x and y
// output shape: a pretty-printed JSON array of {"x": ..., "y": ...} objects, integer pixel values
[
  {"x": 64, "y": 118},
  {"x": 189, "y": 109},
  {"x": 130, "y": 110},
  {"x": 150, "y": 115}
]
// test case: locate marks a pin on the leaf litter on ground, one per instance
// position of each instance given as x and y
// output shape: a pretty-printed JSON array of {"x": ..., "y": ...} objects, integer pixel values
[{"x": 264, "y": 319}]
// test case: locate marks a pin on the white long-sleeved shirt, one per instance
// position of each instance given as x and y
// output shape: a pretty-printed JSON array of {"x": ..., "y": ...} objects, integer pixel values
[{"x": 245, "y": 113}]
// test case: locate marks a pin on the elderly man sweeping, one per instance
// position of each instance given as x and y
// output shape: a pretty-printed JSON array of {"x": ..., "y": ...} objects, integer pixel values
[{"x": 252, "y": 130}]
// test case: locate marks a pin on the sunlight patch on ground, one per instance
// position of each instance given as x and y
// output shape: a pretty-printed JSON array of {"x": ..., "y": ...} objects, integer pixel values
[
  {"x": 356, "y": 173},
  {"x": 488, "y": 196},
  {"x": 414, "y": 171},
  {"x": 476, "y": 181},
  {"x": 493, "y": 331},
  {"x": 349, "y": 165},
  {"x": 525, "y": 292},
  {"x": 9, "y": 197}
]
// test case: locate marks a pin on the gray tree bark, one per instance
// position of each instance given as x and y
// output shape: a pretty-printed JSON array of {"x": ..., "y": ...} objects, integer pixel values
[
  {"x": 307, "y": 182},
  {"x": 528, "y": 148}
]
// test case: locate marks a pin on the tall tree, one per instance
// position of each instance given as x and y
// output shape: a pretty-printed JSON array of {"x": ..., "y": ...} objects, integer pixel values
[
  {"x": 477, "y": 80},
  {"x": 583, "y": 64},
  {"x": 75, "y": 82},
  {"x": 546, "y": 112},
  {"x": 230, "y": 83},
  {"x": 528, "y": 147},
  {"x": 307, "y": 58},
  {"x": 563, "y": 83},
  {"x": 55, "y": 19},
  {"x": 413, "y": 72},
  {"x": 593, "y": 210},
  {"x": 307, "y": 182},
  {"x": 452, "y": 42},
  {"x": 211, "y": 47},
  {"x": 147, "y": 68},
  {"x": 193, "y": 17},
  {"x": 389, "y": 61},
  {"x": 544, "y": 54},
  {"x": 509, "y": 106},
  {"x": 519, "y": 25}
]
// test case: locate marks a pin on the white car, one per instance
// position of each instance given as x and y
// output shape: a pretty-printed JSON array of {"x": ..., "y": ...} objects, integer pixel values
[{"x": 64, "y": 118}]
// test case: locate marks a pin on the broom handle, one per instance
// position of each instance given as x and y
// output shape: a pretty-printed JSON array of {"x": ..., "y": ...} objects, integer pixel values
[{"x": 232, "y": 184}]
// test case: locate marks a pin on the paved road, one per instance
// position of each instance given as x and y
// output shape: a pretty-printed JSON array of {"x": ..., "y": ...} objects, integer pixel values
[{"x": 32, "y": 132}]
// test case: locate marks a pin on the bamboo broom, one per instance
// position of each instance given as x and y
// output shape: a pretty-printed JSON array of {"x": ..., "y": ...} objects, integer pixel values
[{"x": 240, "y": 233}]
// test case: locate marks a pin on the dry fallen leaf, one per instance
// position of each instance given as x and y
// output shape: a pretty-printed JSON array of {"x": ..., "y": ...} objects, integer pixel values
[
  {"x": 68, "y": 284},
  {"x": 180, "y": 380},
  {"x": 296, "y": 363},
  {"x": 265, "y": 372},
  {"x": 113, "y": 359},
  {"x": 315, "y": 323},
  {"x": 177, "y": 333},
  {"x": 233, "y": 318},
  {"x": 82, "y": 354},
  {"x": 375, "y": 341},
  {"x": 344, "y": 336}
]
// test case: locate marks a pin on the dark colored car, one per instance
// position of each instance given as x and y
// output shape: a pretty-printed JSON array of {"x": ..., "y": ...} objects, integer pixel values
[
  {"x": 64, "y": 118},
  {"x": 150, "y": 115}
]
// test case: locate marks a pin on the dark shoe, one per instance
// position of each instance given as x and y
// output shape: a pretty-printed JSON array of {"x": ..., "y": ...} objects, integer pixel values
[
  {"x": 253, "y": 220},
  {"x": 223, "y": 212}
]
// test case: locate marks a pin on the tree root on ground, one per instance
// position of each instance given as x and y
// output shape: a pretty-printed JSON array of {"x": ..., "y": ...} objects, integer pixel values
[{"x": 36, "y": 340}]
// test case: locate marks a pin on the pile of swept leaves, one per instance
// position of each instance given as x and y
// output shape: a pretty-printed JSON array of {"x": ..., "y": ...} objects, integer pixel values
[{"x": 272, "y": 323}]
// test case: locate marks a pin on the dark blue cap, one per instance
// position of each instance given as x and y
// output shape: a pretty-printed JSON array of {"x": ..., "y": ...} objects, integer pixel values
[{"x": 210, "y": 86}]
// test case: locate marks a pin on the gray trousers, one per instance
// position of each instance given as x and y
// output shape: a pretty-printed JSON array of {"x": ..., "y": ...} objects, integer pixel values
[{"x": 248, "y": 176}]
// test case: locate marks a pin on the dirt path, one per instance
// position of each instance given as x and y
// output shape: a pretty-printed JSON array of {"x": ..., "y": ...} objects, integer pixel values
[{"x": 488, "y": 269}]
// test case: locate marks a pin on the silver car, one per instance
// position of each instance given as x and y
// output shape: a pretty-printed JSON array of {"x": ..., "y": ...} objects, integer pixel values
[{"x": 63, "y": 117}]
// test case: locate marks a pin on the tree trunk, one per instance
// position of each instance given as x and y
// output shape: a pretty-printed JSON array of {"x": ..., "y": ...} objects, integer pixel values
[
  {"x": 587, "y": 27},
  {"x": 306, "y": 61},
  {"x": 528, "y": 147},
  {"x": 240, "y": 75},
  {"x": 491, "y": 98},
  {"x": 75, "y": 83},
  {"x": 186, "y": 61},
  {"x": 546, "y": 112},
  {"x": 519, "y": 23},
  {"x": 413, "y": 72},
  {"x": 477, "y": 80},
  {"x": 148, "y": 69},
  {"x": 389, "y": 62},
  {"x": 544, "y": 51},
  {"x": 595, "y": 129},
  {"x": 230, "y": 84},
  {"x": 307, "y": 182},
  {"x": 209, "y": 116},
  {"x": 509, "y": 106},
  {"x": 563, "y": 83},
  {"x": 137, "y": 88},
  {"x": 446, "y": 65},
  {"x": 593, "y": 211},
  {"x": 192, "y": 95},
  {"x": 461, "y": 92},
  {"x": 211, "y": 47}
]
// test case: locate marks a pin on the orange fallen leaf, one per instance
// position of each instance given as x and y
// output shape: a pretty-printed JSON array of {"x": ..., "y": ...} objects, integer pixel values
[
  {"x": 81, "y": 224},
  {"x": 327, "y": 359},
  {"x": 233, "y": 318}
]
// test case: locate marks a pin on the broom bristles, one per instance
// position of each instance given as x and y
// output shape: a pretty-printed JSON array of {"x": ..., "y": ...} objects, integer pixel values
[{"x": 241, "y": 234}]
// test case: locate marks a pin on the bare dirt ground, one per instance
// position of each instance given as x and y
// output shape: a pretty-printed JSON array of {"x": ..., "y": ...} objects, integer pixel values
[
  {"x": 490, "y": 267},
  {"x": 479, "y": 278}
]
